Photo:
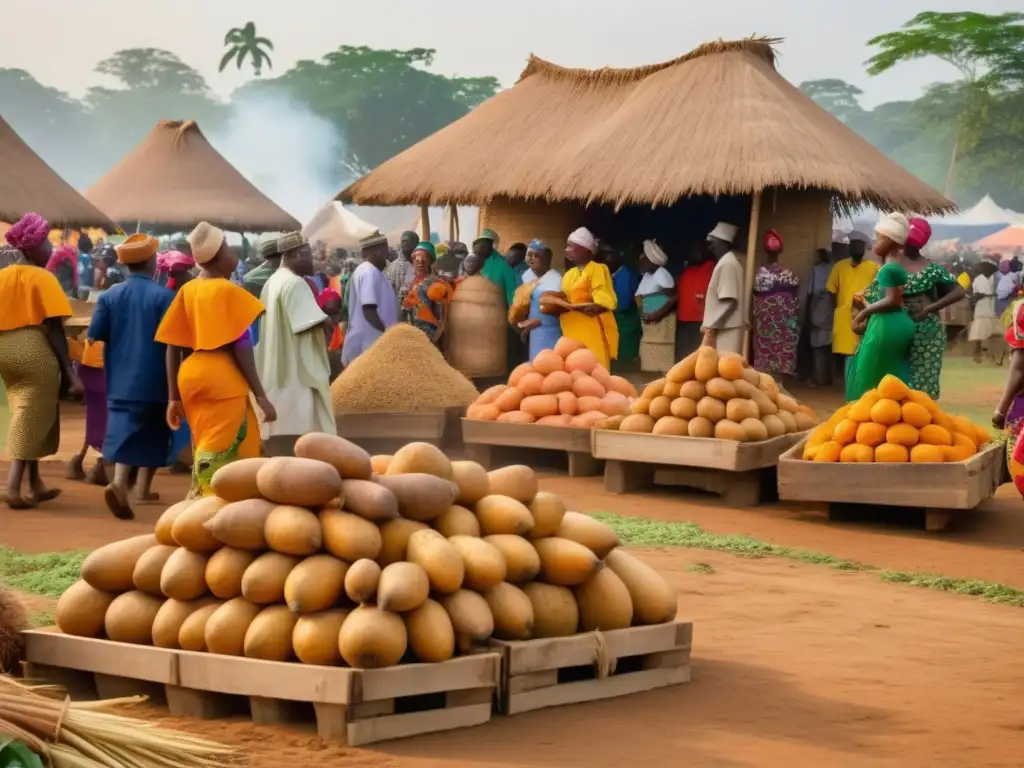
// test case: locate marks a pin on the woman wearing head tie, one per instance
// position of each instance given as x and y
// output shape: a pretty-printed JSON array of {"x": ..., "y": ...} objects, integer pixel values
[
  {"x": 34, "y": 361},
  {"x": 776, "y": 330}
]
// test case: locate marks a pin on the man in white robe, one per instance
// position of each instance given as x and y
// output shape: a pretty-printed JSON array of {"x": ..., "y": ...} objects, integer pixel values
[
  {"x": 725, "y": 307},
  {"x": 292, "y": 352}
]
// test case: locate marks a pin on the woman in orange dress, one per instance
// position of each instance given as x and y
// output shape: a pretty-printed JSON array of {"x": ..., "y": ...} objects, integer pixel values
[
  {"x": 426, "y": 304},
  {"x": 34, "y": 360},
  {"x": 210, "y": 365}
]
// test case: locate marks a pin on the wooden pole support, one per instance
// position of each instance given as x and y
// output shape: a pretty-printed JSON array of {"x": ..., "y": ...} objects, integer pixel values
[
  {"x": 748, "y": 275},
  {"x": 424, "y": 222}
]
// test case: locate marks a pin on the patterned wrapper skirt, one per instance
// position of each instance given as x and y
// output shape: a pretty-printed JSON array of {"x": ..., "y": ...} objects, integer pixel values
[
  {"x": 94, "y": 383},
  {"x": 658, "y": 345},
  {"x": 32, "y": 378}
]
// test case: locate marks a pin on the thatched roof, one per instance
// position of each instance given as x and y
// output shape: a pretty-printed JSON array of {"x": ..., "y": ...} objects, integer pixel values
[
  {"x": 174, "y": 179},
  {"x": 718, "y": 121},
  {"x": 27, "y": 184}
]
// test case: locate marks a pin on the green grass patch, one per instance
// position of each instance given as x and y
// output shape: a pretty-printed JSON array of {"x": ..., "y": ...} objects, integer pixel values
[
  {"x": 41, "y": 619},
  {"x": 47, "y": 574},
  {"x": 641, "y": 532}
]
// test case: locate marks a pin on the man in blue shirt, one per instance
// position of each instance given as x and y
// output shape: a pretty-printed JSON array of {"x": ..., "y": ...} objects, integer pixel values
[
  {"x": 85, "y": 265},
  {"x": 126, "y": 318}
]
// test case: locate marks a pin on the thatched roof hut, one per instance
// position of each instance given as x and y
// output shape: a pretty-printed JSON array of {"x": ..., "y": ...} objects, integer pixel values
[
  {"x": 175, "y": 179},
  {"x": 27, "y": 184},
  {"x": 718, "y": 121}
]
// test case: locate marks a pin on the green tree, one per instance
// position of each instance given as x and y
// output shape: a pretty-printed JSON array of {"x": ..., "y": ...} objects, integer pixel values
[
  {"x": 837, "y": 96},
  {"x": 243, "y": 43},
  {"x": 47, "y": 119},
  {"x": 985, "y": 48},
  {"x": 382, "y": 101}
]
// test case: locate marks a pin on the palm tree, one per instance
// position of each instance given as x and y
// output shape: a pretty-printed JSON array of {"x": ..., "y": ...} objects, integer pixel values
[{"x": 242, "y": 43}]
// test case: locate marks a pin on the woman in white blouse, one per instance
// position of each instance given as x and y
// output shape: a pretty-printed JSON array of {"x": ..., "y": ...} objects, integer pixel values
[{"x": 657, "y": 299}]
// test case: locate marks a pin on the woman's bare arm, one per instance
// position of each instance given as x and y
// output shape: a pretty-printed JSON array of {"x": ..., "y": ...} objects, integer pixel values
[{"x": 1014, "y": 383}]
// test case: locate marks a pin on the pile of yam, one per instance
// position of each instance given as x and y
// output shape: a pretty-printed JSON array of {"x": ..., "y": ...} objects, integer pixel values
[
  {"x": 894, "y": 424},
  {"x": 562, "y": 387},
  {"x": 335, "y": 557},
  {"x": 403, "y": 372},
  {"x": 708, "y": 394}
]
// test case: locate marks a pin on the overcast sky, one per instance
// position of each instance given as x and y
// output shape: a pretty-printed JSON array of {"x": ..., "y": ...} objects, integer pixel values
[{"x": 60, "y": 41}]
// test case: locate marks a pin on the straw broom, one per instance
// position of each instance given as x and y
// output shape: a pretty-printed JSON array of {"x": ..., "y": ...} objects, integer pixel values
[{"x": 83, "y": 735}]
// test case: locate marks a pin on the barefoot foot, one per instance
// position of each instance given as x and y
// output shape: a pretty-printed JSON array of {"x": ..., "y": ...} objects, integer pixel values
[{"x": 75, "y": 471}]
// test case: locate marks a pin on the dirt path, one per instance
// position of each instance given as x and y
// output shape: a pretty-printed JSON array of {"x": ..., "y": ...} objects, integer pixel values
[{"x": 793, "y": 665}]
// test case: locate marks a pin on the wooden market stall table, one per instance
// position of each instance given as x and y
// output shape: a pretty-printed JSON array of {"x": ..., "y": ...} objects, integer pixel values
[
  {"x": 742, "y": 473},
  {"x": 387, "y": 432},
  {"x": 495, "y": 443},
  {"x": 936, "y": 490}
]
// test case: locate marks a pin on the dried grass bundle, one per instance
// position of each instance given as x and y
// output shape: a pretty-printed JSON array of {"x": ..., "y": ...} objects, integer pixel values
[
  {"x": 85, "y": 735},
  {"x": 13, "y": 621}
]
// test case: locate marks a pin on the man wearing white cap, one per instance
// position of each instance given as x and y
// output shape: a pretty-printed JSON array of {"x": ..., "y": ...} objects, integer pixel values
[
  {"x": 291, "y": 355},
  {"x": 725, "y": 307}
]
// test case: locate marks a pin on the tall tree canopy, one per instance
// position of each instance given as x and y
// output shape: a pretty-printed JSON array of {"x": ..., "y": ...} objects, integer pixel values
[
  {"x": 988, "y": 51},
  {"x": 837, "y": 96}
]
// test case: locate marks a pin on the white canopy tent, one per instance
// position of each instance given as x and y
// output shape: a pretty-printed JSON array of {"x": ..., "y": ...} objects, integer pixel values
[
  {"x": 337, "y": 227},
  {"x": 987, "y": 211}
]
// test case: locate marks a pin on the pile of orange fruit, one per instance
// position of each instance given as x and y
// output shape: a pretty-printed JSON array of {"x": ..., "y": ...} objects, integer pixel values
[{"x": 894, "y": 424}]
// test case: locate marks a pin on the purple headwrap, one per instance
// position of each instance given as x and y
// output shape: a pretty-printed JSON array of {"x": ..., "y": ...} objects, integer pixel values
[
  {"x": 65, "y": 253},
  {"x": 28, "y": 233}
]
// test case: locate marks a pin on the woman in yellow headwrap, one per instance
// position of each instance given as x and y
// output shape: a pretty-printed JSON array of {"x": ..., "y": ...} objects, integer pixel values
[
  {"x": 589, "y": 284},
  {"x": 208, "y": 326},
  {"x": 34, "y": 361}
]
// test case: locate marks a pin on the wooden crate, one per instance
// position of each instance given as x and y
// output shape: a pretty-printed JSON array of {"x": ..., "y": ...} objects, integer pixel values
[
  {"x": 387, "y": 432},
  {"x": 742, "y": 473},
  {"x": 939, "y": 490},
  {"x": 350, "y": 705},
  {"x": 495, "y": 444},
  {"x": 566, "y": 670}
]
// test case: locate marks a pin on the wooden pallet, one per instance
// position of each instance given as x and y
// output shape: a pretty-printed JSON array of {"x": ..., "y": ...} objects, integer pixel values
[
  {"x": 742, "y": 473},
  {"x": 350, "y": 705},
  {"x": 495, "y": 444},
  {"x": 935, "y": 491},
  {"x": 566, "y": 670}
]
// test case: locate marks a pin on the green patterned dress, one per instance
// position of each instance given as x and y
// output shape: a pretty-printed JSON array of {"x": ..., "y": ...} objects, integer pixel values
[{"x": 929, "y": 343}]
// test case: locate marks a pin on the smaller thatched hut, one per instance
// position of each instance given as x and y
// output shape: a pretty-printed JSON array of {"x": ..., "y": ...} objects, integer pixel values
[
  {"x": 27, "y": 183},
  {"x": 175, "y": 179}
]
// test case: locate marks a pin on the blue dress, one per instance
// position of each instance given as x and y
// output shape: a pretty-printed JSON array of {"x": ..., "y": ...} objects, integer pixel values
[{"x": 550, "y": 330}]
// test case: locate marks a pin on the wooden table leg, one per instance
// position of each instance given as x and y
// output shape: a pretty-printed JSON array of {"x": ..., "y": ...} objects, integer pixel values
[
  {"x": 937, "y": 519},
  {"x": 583, "y": 465},
  {"x": 743, "y": 489},
  {"x": 626, "y": 477},
  {"x": 481, "y": 454}
]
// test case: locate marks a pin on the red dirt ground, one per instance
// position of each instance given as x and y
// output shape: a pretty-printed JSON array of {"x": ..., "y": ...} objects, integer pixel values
[{"x": 793, "y": 664}]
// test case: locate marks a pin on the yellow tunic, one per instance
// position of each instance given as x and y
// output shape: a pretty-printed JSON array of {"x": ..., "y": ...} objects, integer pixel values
[
  {"x": 30, "y": 296},
  {"x": 207, "y": 316},
  {"x": 600, "y": 333},
  {"x": 844, "y": 281}
]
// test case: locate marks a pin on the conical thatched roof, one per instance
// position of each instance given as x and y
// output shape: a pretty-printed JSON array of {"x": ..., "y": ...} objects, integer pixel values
[
  {"x": 720, "y": 120},
  {"x": 27, "y": 184},
  {"x": 174, "y": 179}
]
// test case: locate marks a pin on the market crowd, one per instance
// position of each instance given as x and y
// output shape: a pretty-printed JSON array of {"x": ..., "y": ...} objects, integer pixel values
[{"x": 195, "y": 357}]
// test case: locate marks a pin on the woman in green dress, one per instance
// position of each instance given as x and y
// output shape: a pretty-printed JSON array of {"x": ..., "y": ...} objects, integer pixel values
[
  {"x": 930, "y": 288},
  {"x": 887, "y": 328}
]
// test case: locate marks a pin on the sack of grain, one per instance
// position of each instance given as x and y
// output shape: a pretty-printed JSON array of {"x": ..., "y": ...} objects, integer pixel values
[
  {"x": 402, "y": 372},
  {"x": 476, "y": 335}
]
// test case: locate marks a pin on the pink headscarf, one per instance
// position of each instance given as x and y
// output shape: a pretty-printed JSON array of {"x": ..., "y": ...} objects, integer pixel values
[
  {"x": 172, "y": 260},
  {"x": 772, "y": 241},
  {"x": 28, "y": 233},
  {"x": 59, "y": 256},
  {"x": 920, "y": 233}
]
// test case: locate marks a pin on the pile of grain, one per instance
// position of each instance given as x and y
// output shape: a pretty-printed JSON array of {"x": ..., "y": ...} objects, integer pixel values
[{"x": 402, "y": 372}]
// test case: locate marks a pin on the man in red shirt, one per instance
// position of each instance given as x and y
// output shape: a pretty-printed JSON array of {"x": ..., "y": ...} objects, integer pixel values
[{"x": 691, "y": 288}]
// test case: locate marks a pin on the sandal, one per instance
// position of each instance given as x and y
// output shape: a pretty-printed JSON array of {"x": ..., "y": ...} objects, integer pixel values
[{"x": 118, "y": 507}]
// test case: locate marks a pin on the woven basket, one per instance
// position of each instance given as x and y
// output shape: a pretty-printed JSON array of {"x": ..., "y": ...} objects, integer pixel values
[{"x": 476, "y": 333}]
